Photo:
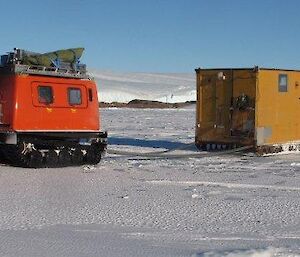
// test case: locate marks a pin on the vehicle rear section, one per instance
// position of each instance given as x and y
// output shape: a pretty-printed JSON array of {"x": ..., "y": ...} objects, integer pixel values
[
  {"x": 225, "y": 116},
  {"x": 49, "y": 117}
]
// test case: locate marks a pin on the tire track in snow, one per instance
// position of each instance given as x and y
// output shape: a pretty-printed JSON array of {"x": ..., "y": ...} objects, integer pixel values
[
  {"x": 222, "y": 184},
  {"x": 206, "y": 238}
]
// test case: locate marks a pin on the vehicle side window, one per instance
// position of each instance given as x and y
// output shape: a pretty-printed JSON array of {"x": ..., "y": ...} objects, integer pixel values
[
  {"x": 74, "y": 95},
  {"x": 90, "y": 95},
  {"x": 45, "y": 94},
  {"x": 283, "y": 83}
]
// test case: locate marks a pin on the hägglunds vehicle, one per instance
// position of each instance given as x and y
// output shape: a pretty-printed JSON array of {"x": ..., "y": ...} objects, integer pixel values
[{"x": 49, "y": 110}]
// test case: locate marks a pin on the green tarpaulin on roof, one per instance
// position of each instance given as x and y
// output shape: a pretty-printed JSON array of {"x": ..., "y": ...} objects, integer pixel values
[{"x": 47, "y": 59}]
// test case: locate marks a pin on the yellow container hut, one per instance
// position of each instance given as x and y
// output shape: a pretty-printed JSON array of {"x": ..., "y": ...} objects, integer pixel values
[{"x": 248, "y": 106}]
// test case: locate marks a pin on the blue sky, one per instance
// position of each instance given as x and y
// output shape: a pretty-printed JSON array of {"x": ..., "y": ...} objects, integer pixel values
[{"x": 159, "y": 35}]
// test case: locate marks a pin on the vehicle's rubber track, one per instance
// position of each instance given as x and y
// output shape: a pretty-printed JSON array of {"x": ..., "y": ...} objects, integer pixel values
[{"x": 29, "y": 156}]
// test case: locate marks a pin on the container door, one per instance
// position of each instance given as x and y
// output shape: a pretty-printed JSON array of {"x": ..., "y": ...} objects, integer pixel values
[
  {"x": 208, "y": 100},
  {"x": 223, "y": 101},
  {"x": 243, "y": 104},
  {"x": 215, "y": 94}
]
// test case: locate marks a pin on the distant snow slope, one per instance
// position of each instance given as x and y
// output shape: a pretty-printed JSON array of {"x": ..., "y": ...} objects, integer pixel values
[{"x": 165, "y": 87}]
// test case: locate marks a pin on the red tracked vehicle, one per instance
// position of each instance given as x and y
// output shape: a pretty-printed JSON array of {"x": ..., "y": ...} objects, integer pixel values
[{"x": 49, "y": 111}]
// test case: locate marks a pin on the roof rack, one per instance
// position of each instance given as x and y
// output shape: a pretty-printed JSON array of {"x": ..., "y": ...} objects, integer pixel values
[
  {"x": 48, "y": 71},
  {"x": 61, "y": 63}
]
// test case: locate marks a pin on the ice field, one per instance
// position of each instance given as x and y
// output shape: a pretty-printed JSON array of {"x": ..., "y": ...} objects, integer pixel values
[{"x": 230, "y": 205}]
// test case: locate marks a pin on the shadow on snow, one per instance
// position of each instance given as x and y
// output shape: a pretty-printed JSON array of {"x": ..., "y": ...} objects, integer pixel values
[{"x": 170, "y": 145}]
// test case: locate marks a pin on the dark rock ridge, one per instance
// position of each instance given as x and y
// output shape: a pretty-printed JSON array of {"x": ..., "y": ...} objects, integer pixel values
[{"x": 137, "y": 103}]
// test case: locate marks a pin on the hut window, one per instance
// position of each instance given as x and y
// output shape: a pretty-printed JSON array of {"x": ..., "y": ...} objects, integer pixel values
[{"x": 282, "y": 83}]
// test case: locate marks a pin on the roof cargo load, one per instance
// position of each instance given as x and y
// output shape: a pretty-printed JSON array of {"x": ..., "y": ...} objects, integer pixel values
[
  {"x": 61, "y": 63},
  {"x": 70, "y": 56}
]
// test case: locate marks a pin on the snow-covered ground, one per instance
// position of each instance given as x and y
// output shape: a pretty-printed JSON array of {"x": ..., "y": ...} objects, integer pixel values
[
  {"x": 164, "y": 87},
  {"x": 233, "y": 205}
]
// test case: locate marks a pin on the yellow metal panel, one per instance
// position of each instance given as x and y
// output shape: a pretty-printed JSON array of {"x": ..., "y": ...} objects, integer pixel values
[{"x": 277, "y": 113}]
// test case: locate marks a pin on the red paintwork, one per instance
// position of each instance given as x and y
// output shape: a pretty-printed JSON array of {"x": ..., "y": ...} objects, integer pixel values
[{"x": 23, "y": 112}]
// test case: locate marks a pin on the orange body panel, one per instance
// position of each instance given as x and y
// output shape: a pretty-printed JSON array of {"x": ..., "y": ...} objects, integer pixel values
[{"x": 22, "y": 111}]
